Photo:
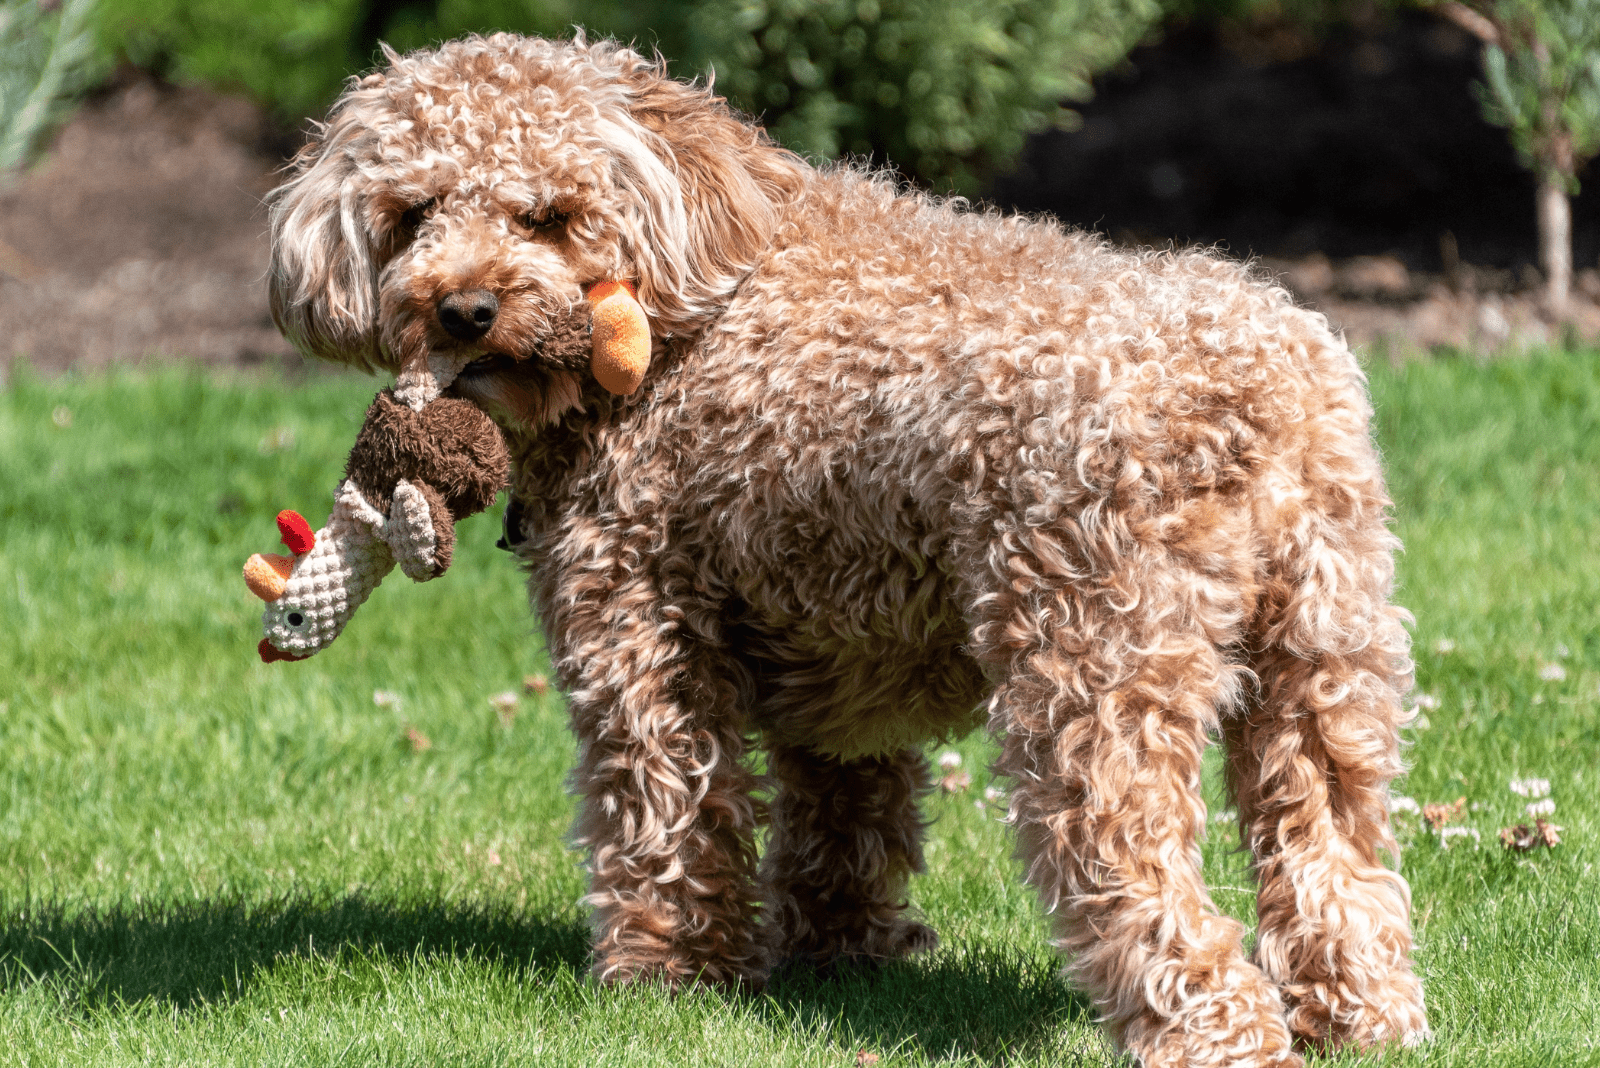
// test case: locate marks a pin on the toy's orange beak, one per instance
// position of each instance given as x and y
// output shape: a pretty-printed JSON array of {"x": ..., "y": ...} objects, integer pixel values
[
  {"x": 621, "y": 337},
  {"x": 267, "y": 575}
]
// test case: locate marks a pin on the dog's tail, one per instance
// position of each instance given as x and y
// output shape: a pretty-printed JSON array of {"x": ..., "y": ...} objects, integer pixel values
[{"x": 1323, "y": 523}]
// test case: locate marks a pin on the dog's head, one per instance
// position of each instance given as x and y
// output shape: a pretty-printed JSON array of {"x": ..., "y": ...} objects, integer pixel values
[{"x": 457, "y": 203}]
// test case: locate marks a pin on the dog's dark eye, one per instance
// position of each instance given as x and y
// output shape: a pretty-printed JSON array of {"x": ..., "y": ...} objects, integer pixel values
[
  {"x": 545, "y": 223},
  {"x": 413, "y": 216}
]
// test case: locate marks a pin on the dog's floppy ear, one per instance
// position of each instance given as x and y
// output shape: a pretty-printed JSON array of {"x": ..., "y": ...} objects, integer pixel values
[
  {"x": 322, "y": 278},
  {"x": 712, "y": 191}
]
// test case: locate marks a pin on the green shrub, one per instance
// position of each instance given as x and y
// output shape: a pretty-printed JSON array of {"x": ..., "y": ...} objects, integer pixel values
[
  {"x": 1541, "y": 64},
  {"x": 943, "y": 88},
  {"x": 291, "y": 55}
]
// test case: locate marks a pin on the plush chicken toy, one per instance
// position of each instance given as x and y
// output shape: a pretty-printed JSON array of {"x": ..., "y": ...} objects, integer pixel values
[
  {"x": 422, "y": 462},
  {"x": 412, "y": 474}
]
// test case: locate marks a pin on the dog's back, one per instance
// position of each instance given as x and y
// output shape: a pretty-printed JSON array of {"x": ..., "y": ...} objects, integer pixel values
[{"x": 900, "y": 381}]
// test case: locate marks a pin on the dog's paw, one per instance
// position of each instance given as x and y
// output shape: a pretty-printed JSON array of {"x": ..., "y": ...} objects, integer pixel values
[
  {"x": 1392, "y": 1014},
  {"x": 680, "y": 974},
  {"x": 1234, "y": 1021},
  {"x": 876, "y": 944},
  {"x": 906, "y": 938}
]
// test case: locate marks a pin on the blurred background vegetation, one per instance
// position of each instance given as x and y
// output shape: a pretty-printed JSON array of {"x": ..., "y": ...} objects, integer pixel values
[
  {"x": 948, "y": 92},
  {"x": 945, "y": 90}
]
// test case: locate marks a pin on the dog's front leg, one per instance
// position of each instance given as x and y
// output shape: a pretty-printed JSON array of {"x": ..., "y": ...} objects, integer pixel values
[{"x": 666, "y": 804}]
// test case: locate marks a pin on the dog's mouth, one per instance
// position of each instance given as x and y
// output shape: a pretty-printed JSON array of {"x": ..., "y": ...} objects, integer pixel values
[
  {"x": 532, "y": 387},
  {"x": 491, "y": 363}
]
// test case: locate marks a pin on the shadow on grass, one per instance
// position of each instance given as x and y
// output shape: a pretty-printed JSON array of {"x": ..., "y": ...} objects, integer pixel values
[
  {"x": 998, "y": 1005},
  {"x": 187, "y": 952}
]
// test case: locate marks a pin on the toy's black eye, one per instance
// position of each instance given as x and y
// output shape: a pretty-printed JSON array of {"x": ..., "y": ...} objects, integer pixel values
[
  {"x": 295, "y": 619},
  {"x": 547, "y": 223},
  {"x": 413, "y": 216}
]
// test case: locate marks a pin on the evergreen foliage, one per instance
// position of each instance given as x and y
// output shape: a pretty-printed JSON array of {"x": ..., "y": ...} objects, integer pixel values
[
  {"x": 939, "y": 87},
  {"x": 1541, "y": 63},
  {"x": 1542, "y": 83},
  {"x": 47, "y": 56}
]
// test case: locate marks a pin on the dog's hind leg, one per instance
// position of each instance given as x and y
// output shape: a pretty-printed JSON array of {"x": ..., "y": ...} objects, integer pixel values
[
  {"x": 845, "y": 839},
  {"x": 1112, "y": 689},
  {"x": 1310, "y": 760}
]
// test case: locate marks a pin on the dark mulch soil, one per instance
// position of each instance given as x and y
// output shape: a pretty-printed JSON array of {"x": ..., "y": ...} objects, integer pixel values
[
  {"x": 140, "y": 233},
  {"x": 1359, "y": 171},
  {"x": 1371, "y": 143}
]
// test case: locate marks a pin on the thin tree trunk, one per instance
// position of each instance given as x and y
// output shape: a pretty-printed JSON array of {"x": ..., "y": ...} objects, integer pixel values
[{"x": 1555, "y": 242}]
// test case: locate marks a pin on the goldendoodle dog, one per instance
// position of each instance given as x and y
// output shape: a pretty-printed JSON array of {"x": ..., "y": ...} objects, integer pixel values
[{"x": 895, "y": 468}]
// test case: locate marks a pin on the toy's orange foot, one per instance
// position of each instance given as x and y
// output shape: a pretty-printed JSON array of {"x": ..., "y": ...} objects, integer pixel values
[
  {"x": 621, "y": 337},
  {"x": 271, "y": 653}
]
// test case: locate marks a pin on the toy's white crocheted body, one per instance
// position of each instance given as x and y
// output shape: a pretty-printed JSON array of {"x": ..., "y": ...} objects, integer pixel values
[{"x": 351, "y": 555}]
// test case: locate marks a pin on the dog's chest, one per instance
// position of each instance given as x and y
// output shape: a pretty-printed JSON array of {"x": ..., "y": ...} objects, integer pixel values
[{"x": 856, "y": 643}]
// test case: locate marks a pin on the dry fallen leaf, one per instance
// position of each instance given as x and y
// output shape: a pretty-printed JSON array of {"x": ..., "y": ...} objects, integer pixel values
[
  {"x": 1523, "y": 838},
  {"x": 1439, "y": 813},
  {"x": 863, "y": 1059},
  {"x": 419, "y": 742},
  {"x": 505, "y": 707},
  {"x": 537, "y": 685},
  {"x": 955, "y": 782}
]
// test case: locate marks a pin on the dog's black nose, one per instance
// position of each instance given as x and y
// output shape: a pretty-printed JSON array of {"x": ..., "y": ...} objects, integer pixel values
[{"x": 468, "y": 315}]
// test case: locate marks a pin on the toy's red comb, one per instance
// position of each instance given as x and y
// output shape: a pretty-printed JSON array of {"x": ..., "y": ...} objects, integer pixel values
[{"x": 296, "y": 532}]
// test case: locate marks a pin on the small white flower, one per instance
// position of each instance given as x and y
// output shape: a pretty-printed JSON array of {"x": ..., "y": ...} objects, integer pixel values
[
  {"x": 1448, "y": 833},
  {"x": 1427, "y": 701},
  {"x": 1444, "y": 646},
  {"x": 385, "y": 698},
  {"x": 1542, "y": 808},
  {"x": 993, "y": 794},
  {"x": 1552, "y": 672},
  {"x": 979, "y": 805},
  {"x": 1227, "y": 815},
  {"x": 278, "y": 439},
  {"x": 1400, "y": 803},
  {"x": 1562, "y": 652},
  {"x": 1421, "y": 722},
  {"x": 949, "y": 760},
  {"x": 1530, "y": 787}
]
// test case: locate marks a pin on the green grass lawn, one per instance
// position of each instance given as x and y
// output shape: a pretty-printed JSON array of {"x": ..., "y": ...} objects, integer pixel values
[{"x": 208, "y": 860}]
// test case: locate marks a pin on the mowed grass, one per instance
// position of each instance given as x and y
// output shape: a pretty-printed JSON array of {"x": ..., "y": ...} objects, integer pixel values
[{"x": 208, "y": 860}]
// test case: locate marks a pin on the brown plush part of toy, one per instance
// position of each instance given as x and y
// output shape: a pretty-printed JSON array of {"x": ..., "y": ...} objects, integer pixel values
[
  {"x": 533, "y": 390},
  {"x": 450, "y": 446},
  {"x": 450, "y": 451}
]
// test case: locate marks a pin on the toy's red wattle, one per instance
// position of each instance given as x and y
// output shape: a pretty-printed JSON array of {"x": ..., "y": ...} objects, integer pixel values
[
  {"x": 271, "y": 653},
  {"x": 296, "y": 532}
]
